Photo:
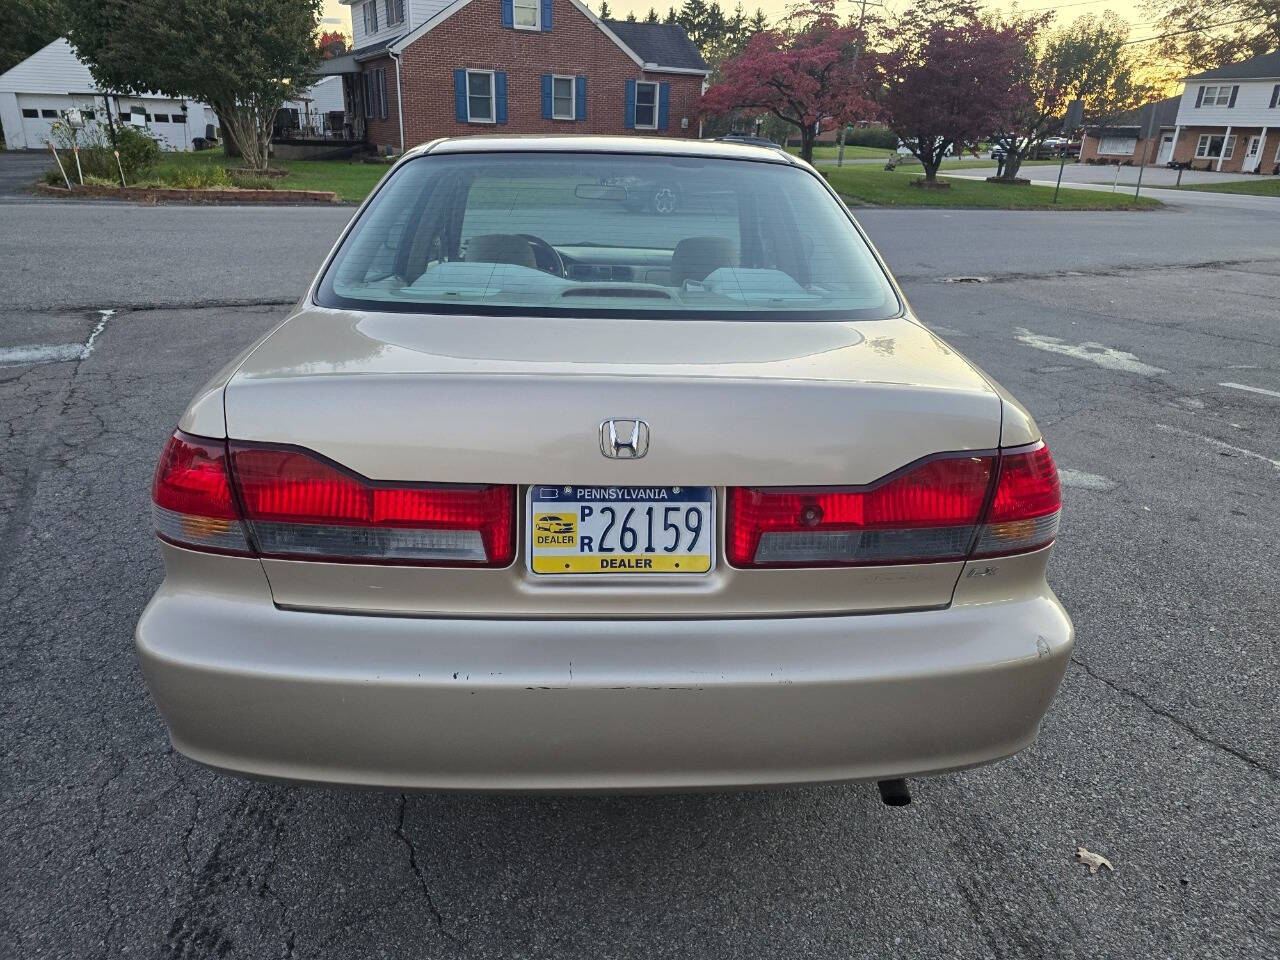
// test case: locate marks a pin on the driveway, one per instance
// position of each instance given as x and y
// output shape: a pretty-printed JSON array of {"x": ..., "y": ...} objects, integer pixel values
[
  {"x": 19, "y": 169},
  {"x": 1154, "y": 376}
]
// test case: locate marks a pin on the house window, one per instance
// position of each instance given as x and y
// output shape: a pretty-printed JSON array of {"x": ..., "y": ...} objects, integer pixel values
[
  {"x": 30, "y": 113},
  {"x": 646, "y": 106},
  {"x": 562, "y": 98},
  {"x": 1211, "y": 146},
  {"x": 1216, "y": 96},
  {"x": 394, "y": 10},
  {"x": 525, "y": 14},
  {"x": 162, "y": 118},
  {"x": 370, "y": 11},
  {"x": 375, "y": 101},
  {"x": 1116, "y": 146},
  {"x": 49, "y": 114},
  {"x": 480, "y": 96}
]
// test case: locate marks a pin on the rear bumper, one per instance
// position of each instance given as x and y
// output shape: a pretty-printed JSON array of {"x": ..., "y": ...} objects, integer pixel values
[{"x": 533, "y": 705}]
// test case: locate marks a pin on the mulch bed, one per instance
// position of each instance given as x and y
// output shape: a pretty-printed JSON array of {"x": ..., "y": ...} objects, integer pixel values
[{"x": 180, "y": 195}]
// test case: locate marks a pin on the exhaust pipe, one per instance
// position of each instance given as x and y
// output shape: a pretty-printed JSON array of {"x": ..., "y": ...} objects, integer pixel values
[{"x": 894, "y": 793}]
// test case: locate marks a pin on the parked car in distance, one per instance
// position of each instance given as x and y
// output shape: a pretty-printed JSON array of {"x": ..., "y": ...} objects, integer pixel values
[
  {"x": 531, "y": 492},
  {"x": 905, "y": 151}
]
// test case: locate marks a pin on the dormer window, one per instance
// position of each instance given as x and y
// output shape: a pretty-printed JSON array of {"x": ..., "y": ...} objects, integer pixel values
[
  {"x": 526, "y": 14},
  {"x": 370, "y": 11}
]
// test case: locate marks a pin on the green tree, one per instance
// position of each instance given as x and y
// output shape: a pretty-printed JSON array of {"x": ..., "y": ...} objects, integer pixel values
[
  {"x": 605, "y": 12},
  {"x": 29, "y": 25},
  {"x": 1203, "y": 34},
  {"x": 242, "y": 57},
  {"x": 758, "y": 22},
  {"x": 1088, "y": 60},
  {"x": 651, "y": 16},
  {"x": 672, "y": 16}
]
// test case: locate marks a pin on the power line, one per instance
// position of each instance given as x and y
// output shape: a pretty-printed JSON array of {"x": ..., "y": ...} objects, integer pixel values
[{"x": 1200, "y": 29}]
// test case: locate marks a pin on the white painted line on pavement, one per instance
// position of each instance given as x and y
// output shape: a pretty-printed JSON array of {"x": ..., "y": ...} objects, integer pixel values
[
  {"x": 1107, "y": 357},
  {"x": 1245, "y": 386},
  {"x": 56, "y": 352},
  {"x": 41, "y": 353},
  {"x": 1219, "y": 444},
  {"x": 1086, "y": 481}
]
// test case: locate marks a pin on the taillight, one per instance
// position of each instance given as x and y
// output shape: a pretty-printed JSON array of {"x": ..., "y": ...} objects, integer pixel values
[
  {"x": 945, "y": 509},
  {"x": 1027, "y": 505},
  {"x": 298, "y": 505},
  {"x": 191, "y": 496},
  {"x": 284, "y": 502}
]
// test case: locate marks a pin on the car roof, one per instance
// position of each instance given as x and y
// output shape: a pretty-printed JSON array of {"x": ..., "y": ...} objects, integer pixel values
[{"x": 550, "y": 143}]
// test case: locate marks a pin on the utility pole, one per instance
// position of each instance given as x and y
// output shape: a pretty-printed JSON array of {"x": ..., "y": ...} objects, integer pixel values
[{"x": 857, "y": 51}]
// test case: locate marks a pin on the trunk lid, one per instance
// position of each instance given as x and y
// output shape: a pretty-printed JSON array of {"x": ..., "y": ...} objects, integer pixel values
[{"x": 463, "y": 399}]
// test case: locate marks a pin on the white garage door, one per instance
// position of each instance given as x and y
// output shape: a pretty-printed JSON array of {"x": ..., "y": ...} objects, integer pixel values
[{"x": 38, "y": 115}]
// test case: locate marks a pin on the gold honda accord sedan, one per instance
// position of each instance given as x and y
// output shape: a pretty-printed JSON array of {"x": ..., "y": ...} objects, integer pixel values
[{"x": 540, "y": 489}]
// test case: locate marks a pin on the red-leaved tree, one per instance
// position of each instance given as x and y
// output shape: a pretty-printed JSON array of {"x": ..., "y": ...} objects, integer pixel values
[
  {"x": 949, "y": 85},
  {"x": 808, "y": 72}
]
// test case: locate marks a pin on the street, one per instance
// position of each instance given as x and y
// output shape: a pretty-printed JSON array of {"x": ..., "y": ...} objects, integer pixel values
[{"x": 1147, "y": 346}]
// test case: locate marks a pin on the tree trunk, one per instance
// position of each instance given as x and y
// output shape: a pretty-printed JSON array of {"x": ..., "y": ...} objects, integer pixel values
[
  {"x": 930, "y": 167},
  {"x": 808, "y": 135},
  {"x": 1012, "y": 163}
]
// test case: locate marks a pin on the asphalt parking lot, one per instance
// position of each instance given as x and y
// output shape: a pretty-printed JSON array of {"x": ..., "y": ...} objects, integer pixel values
[{"x": 1148, "y": 346}]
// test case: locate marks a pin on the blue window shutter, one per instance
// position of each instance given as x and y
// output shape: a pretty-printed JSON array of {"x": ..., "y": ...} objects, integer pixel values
[
  {"x": 580, "y": 95},
  {"x": 546, "y": 16},
  {"x": 1234, "y": 91},
  {"x": 664, "y": 105},
  {"x": 460, "y": 95},
  {"x": 1275, "y": 94},
  {"x": 629, "y": 111},
  {"x": 1200, "y": 96},
  {"x": 500, "y": 96},
  {"x": 508, "y": 15},
  {"x": 546, "y": 96}
]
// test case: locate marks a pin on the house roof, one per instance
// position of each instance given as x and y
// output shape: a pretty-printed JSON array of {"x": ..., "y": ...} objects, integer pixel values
[
  {"x": 662, "y": 44},
  {"x": 1129, "y": 123},
  {"x": 349, "y": 62},
  {"x": 1263, "y": 66}
]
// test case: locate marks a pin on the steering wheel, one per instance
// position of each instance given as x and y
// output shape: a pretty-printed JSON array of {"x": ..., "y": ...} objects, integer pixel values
[{"x": 545, "y": 255}]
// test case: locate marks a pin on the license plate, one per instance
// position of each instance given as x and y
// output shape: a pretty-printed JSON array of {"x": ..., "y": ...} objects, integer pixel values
[{"x": 620, "y": 530}]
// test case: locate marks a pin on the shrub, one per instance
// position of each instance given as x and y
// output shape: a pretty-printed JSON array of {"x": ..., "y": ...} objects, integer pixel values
[
  {"x": 878, "y": 137},
  {"x": 139, "y": 151},
  {"x": 250, "y": 182}
]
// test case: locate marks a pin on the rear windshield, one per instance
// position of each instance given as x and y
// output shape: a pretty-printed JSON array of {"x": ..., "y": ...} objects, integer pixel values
[{"x": 607, "y": 234}]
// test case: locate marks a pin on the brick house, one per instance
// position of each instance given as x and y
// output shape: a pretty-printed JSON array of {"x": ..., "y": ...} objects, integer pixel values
[
  {"x": 1225, "y": 119},
  {"x": 512, "y": 66},
  {"x": 1121, "y": 140}
]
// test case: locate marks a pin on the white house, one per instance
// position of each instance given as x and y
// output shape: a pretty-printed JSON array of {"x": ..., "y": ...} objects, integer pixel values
[
  {"x": 53, "y": 80},
  {"x": 1225, "y": 119}
]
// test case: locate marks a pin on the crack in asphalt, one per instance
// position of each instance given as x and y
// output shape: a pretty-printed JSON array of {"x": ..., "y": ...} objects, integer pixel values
[
  {"x": 1112, "y": 270},
  {"x": 422, "y": 877},
  {"x": 1260, "y": 765}
]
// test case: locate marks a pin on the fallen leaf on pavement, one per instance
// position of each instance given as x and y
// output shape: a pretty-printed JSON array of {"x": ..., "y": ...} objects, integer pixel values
[{"x": 1094, "y": 861}]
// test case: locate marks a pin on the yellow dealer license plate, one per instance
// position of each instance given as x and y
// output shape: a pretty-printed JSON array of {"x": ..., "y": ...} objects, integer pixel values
[{"x": 620, "y": 530}]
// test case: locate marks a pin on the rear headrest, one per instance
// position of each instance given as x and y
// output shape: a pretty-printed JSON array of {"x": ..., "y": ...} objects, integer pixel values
[
  {"x": 695, "y": 257},
  {"x": 501, "y": 248}
]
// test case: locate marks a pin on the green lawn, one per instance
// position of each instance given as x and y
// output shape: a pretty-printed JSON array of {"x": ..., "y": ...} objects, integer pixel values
[
  {"x": 878, "y": 187},
  {"x": 1269, "y": 187},
  {"x": 352, "y": 181},
  {"x": 850, "y": 153}
]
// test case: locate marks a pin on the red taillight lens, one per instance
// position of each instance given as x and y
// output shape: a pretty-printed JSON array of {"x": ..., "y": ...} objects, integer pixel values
[
  {"x": 928, "y": 513},
  {"x": 298, "y": 505},
  {"x": 191, "y": 496},
  {"x": 1027, "y": 505}
]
